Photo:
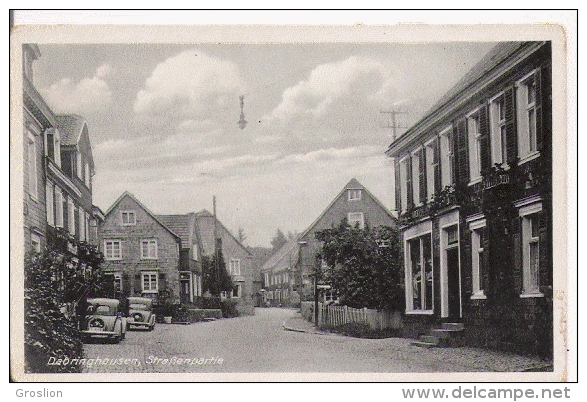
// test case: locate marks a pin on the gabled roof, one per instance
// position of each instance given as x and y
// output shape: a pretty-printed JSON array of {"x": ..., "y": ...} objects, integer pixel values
[
  {"x": 70, "y": 128},
  {"x": 283, "y": 258},
  {"x": 353, "y": 184},
  {"x": 152, "y": 215},
  {"x": 205, "y": 232},
  {"x": 180, "y": 224}
]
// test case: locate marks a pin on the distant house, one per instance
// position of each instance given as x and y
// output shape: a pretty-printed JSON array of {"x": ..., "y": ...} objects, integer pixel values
[
  {"x": 354, "y": 203},
  {"x": 260, "y": 256},
  {"x": 278, "y": 275},
  {"x": 238, "y": 259},
  {"x": 142, "y": 255}
]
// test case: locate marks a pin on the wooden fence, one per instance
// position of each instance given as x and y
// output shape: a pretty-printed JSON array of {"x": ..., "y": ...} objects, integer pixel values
[{"x": 332, "y": 315}]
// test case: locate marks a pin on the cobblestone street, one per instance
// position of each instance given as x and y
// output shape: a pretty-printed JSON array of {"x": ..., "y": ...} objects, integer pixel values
[{"x": 260, "y": 344}]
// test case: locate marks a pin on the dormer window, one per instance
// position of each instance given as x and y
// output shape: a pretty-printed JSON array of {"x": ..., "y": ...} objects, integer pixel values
[
  {"x": 128, "y": 218},
  {"x": 53, "y": 145},
  {"x": 355, "y": 194}
]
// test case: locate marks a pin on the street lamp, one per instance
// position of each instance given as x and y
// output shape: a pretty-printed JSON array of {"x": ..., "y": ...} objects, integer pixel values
[{"x": 242, "y": 123}]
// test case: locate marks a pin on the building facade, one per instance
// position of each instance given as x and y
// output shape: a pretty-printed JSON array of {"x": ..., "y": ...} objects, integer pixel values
[
  {"x": 278, "y": 274},
  {"x": 142, "y": 255},
  {"x": 473, "y": 193},
  {"x": 354, "y": 203}
]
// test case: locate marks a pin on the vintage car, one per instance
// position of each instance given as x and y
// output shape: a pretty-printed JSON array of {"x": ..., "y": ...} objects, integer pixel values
[
  {"x": 140, "y": 313},
  {"x": 104, "y": 320}
]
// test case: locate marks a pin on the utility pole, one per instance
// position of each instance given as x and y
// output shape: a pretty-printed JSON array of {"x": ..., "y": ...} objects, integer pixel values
[
  {"x": 216, "y": 264},
  {"x": 394, "y": 125}
]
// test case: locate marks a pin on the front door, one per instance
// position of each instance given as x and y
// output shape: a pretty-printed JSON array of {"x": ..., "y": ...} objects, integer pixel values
[{"x": 454, "y": 294}]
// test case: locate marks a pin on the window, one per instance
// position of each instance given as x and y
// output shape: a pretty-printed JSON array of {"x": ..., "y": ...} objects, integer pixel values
[
  {"x": 32, "y": 166},
  {"x": 266, "y": 279},
  {"x": 49, "y": 200},
  {"x": 236, "y": 291},
  {"x": 235, "y": 267},
  {"x": 53, "y": 145},
  {"x": 526, "y": 101},
  {"x": 87, "y": 175},
  {"x": 79, "y": 167},
  {"x": 149, "y": 249},
  {"x": 420, "y": 272},
  {"x": 447, "y": 157},
  {"x": 531, "y": 254},
  {"x": 477, "y": 249},
  {"x": 113, "y": 249},
  {"x": 118, "y": 283},
  {"x": 70, "y": 216},
  {"x": 431, "y": 165},
  {"x": 474, "y": 134},
  {"x": 403, "y": 178},
  {"x": 128, "y": 218},
  {"x": 87, "y": 226},
  {"x": 498, "y": 131},
  {"x": 82, "y": 222},
  {"x": 35, "y": 243},
  {"x": 150, "y": 282},
  {"x": 58, "y": 208},
  {"x": 195, "y": 252},
  {"x": 416, "y": 177},
  {"x": 355, "y": 194},
  {"x": 356, "y": 218}
]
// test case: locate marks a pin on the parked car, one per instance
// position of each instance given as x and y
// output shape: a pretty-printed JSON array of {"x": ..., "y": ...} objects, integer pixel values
[
  {"x": 140, "y": 313},
  {"x": 104, "y": 320}
]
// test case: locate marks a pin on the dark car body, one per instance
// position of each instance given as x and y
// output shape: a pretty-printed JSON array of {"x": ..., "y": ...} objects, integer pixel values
[
  {"x": 104, "y": 320},
  {"x": 140, "y": 313}
]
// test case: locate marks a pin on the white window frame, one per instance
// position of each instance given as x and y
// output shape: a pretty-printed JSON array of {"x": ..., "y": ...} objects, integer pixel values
[
  {"x": 267, "y": 283},
  {"x": 152, "y": 249},
  {"x": 87, "y": 174},
  {"x": 526, "y": 213},
  {"x": 71, "y": 216},
  {"x": 355, "y": 194},
  {"x": 129, "y": 214},
  {"x": 50, "y": 203},
  {"x": 416, "y": 177},
  {"x": 403, "y": 179},
  {"x": 81, "y": 224},
  {"x": 150, "y": 289},
  {"x": 477, "y": 251},
  {"x": 35, "y": 242},
  {"x": 352, "y": 221},
  {"x": 429, "y": 149},
  {"x": 446, "y": 155},
  {"x": 59, "y": 213},
  {"x": 32, "y": 163},
  {"x": 79, "y": 165},
  {"x": 525, "y": 151},
  {"x": 419, "y": 230},
  {"x": 114, "y": 256},
  {"x": 195, "y": 252},
  {"x": 496, "y": 124},
  {"x": 235, "y": 266},
  {"x": 87, "y": 226},
  {"x": 474, "y": 142}
]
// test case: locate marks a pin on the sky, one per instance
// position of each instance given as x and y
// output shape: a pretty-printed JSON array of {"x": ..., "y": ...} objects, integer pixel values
[{"x": 163, "y": 120}]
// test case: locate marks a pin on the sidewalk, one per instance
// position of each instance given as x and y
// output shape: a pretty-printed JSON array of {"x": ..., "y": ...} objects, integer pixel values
[{"x": 477, "y": 359}]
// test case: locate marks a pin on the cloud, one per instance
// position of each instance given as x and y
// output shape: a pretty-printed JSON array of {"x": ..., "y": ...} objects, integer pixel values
[
  {"x": 86, "y": 96},
  {"x": 190, "y": 86}
]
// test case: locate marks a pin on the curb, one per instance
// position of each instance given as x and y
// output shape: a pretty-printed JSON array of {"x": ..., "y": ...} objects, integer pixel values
[{"x": 304, "y": 331}]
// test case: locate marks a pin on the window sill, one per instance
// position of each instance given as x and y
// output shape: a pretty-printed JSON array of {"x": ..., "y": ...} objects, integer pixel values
[
  {"x": 480, "y": 296},
  {"x": 112, "y": 259},
  {"x": 529, "y": 157},
  {"x": 529, "y": 295},
  {"x": 149, "y": 259},
  {"x": 151, "y": 292},
  {"x": 475, "y": 181},
  {"x": 420, "y": 312}
]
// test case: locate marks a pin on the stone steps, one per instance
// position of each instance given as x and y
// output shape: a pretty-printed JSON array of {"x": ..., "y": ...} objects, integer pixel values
[{"x": 448, "y": 335}]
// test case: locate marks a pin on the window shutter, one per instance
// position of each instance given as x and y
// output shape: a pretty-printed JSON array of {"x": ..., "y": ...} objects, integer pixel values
[
  {"x": 539, "y": 122},
  {"x": 437, "y": 173},
  {"x": 162, "y": 286},
  {"x": 462, "y": 152},
  {"x": 510, "y": 126},
  {"x": 452, "y": 144},
  {"x": 409, "y": 182},
  {"x": 138, "y": 286},
  {"x": 125, "y": 284},
  {"x": 422, "y": 174},
  {"x": 398, "y": 186},
  {"x": 484, "y": 139},
  {"x": 544, "y": 274},
  {"x": 518, "y": 265}
]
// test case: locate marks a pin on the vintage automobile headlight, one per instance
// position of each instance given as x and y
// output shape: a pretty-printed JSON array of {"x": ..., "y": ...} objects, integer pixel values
[
  {"x": 138, "y": 317},
  {"x": 96, "y": 323}
]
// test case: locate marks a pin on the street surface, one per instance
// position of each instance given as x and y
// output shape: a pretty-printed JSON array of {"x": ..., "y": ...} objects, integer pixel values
[{"x": 260, "y": 344}]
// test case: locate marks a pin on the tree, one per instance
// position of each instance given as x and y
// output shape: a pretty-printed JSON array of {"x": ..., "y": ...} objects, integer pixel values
[
  {"x": 278, "y": 240},
  {"x": 363, "y": 266},
  {"x": 215, "y": 278}
]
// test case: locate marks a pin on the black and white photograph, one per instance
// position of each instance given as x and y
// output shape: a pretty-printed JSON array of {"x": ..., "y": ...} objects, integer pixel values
[{"x": 230, "y": 203}]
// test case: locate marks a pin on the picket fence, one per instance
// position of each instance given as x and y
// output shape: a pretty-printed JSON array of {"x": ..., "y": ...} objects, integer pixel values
[{"x": 331, "y": 315}]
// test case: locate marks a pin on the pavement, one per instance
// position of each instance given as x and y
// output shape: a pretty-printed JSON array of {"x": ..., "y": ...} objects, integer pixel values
[{"x": 477, "y": 358}]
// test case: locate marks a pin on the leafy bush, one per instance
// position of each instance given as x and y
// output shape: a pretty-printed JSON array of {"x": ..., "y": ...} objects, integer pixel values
[{"x": 228, "y": 308}]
